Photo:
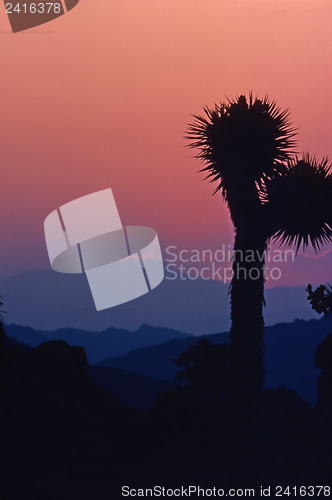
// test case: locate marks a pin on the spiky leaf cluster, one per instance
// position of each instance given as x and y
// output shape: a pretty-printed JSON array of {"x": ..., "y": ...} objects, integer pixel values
[
  {"x": 241, "y": 141},
  {"x": 299, "y": 203}
]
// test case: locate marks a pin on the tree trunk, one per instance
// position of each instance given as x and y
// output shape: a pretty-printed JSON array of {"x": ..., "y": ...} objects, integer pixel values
[
  {"x": 247, "y": 290},
  {"x": 247, "y": 299}
]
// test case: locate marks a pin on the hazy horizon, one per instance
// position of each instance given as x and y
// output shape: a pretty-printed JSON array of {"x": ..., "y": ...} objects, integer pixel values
[{"x": 111, "y": 106}]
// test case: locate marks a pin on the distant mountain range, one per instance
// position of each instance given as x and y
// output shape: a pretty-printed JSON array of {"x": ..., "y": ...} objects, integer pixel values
[
  {"x": 137, "y": 366},
  {"x": 133, "y": 389},
  {"x": 98, "y": 346},
  {"x": 47, "y": 300},
  {"x": 289, "y": 356}
]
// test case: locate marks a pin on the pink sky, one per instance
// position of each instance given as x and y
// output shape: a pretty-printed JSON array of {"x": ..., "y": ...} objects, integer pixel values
[{"x": 101, "y": 98}]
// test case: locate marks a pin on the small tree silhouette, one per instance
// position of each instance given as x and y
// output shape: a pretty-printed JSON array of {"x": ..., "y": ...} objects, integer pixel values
[
  {"x": 320, "y": 299},
  {"x": 245, "y": 147}
]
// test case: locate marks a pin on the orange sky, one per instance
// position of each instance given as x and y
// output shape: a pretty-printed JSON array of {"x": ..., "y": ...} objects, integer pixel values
[{"x": 101, "y": 97}]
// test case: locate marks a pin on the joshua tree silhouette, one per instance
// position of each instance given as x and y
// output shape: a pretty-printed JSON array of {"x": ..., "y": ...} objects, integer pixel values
[{"x": 245, "y": 146}]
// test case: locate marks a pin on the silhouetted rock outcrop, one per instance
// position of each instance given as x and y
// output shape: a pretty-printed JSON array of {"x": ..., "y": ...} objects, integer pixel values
[{"x": 62, "y": 366}]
